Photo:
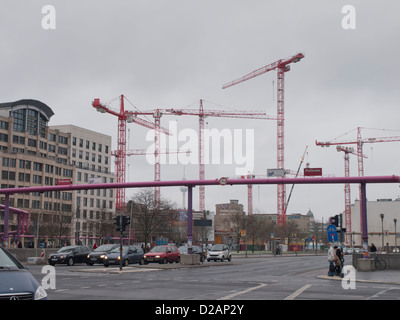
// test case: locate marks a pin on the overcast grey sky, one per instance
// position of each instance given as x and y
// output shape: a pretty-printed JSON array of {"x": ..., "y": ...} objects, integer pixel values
[{"x": 172, "y": 53}]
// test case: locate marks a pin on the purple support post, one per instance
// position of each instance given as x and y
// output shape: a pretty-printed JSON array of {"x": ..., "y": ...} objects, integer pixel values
[
  {"x": 19, "y": 227},
  {"x": 190, "y": 219},
  {"x": 6, "y": 215},
  {"x": 363, "y": 204}
]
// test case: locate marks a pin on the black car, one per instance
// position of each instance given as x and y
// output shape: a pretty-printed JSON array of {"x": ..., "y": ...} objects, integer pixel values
[
  {"x": 195, "y": 250},
  {"x": 130, "y": 254},
  {"x": 16, "y": 282},
  {"x": 69, "y": 255},
  {"x": 98, "y": 255}
]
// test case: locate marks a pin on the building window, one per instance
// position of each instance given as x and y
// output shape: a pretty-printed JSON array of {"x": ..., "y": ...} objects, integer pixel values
[
  {"x": 19, "y": 120},
  {"x": 63, "y": 140},
  {"x": 3, "y": 125},
  {"x": 52, "y": 137},
  {"x": 32, "y": 143},
  {"x": 3, "y": 137}
]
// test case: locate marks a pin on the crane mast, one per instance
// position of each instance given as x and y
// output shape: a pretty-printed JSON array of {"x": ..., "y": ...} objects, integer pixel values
[{"x": 281, "y": 66}]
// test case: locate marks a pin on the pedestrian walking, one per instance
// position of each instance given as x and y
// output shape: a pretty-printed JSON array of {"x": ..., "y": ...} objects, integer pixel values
[{"x": 331, "y": 260}]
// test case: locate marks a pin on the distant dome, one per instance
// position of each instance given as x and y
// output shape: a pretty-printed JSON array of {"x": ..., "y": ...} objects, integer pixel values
[{"x": 310, "y": 214}]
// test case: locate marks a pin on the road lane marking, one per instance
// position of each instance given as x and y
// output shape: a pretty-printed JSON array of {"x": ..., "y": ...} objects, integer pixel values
[
  {"x": 297, "y": 292},
  {"x": 230, "y": 296}
]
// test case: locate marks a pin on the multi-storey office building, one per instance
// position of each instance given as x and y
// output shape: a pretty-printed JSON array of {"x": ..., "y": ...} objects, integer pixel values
[
  {"x": 91, "y": 158},
  {"x": 34, "y": 154}
]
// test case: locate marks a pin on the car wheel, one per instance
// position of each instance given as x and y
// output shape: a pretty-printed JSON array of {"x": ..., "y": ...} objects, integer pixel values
[
  {"x": 222, "y": 259},
  {"x": 70, "y": 261},
  {"x": 229, "y": 258},
  {"x": 126, "y": 262},
  {"x": 141, "y": 262},
  {"x": 178, "y": 260},
  {"x": 89, "y": 263},
  {"x": 208, "y": 260},
  {"x": 106, "y": 265},
  {"x": 52, "y": 264}
]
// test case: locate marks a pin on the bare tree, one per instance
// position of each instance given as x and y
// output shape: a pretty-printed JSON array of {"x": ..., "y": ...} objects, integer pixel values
[
  {"x": 149, "y": 220},
  {"x": 236, "y": 222},
  {"x": 57, "y": 225},
  {"x": 258, "y": 229}
]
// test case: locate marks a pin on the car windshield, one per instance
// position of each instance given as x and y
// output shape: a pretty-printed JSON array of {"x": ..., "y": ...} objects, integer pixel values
[
  {"x": 183, "y": 249},
  {"x": 66, "y": 249},
  {"x": 116, "y": 250},
  {"x": 7, "y": 262},
  {"x": 217, "y": 247},
  {"x": 159, "y": 249},
  {"x": 104, "y": 247}
]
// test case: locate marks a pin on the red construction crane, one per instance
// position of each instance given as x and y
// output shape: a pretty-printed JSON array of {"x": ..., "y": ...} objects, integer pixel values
[
  {"x": 121, "y": 153},
  {"x": 347, "y": 196},
  {"x": 281, "y": 66},
  {"x": 202, "y": 114},
  {"x": 360, "y": 155}
]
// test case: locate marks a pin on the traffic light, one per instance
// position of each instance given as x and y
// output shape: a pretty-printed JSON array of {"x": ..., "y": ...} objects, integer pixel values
[
  {"x": 125, "y": 221},
  {"x": 117, "y": 222},
  {"x": 334, "y": 220}
]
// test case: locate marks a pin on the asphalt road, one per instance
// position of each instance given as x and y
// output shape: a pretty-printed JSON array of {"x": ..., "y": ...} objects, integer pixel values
[{"x": 272, "y": 278}]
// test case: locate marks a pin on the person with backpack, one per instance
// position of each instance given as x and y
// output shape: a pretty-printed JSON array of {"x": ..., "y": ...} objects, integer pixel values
[{"x": 338, "y": 260}]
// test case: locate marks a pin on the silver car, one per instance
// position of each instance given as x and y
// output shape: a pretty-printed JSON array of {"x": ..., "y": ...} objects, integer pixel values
[{"x": 219, "y": 252}]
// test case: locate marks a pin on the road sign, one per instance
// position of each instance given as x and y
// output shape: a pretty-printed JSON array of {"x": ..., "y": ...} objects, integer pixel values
[
  {"x": 223, "y": 181},
  {"x": 161, "y": 241},
  {"x": 332, "y": 233}
]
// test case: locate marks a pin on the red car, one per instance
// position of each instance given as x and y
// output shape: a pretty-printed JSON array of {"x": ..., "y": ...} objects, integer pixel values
[{"x": 163, "y": 254}]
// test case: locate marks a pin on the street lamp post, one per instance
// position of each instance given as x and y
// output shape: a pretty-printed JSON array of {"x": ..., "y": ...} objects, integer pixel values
[{"x": 383, "y": 241}]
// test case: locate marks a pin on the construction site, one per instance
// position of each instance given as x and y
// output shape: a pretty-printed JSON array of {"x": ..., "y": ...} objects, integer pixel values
[
  {"x": 210, "y": 101},
  {"x": 77, "y": 220}
]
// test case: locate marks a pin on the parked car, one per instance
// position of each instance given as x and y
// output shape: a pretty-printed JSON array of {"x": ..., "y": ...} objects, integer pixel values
[
  {"x": 163, "y": 254},
  {"x": 130, "y": 254},
  {"x": 195, "y": 250},
  {"x": 16, "y": 282},
  {"x": 219, "y": 252},
  {"x": 98, "y": 254},
  {"x": 69, "y": 255}
]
